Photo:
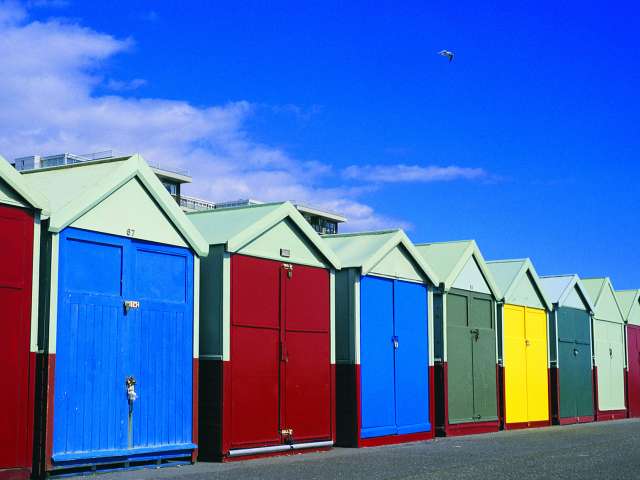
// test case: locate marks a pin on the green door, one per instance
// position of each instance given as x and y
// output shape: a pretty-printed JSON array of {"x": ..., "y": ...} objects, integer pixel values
[
  {"x": 471, "y": 358},
  {"x": 569, "y": 379},
  {"x": 584, "y": 397},
  {"x": 616, "y": 365},
  {"x": 484, "y": 359},
  {"x": 459, "y": 360}
]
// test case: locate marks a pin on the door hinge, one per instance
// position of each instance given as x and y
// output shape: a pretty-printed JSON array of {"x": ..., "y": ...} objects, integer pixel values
[{"x": 289, "y": 268}]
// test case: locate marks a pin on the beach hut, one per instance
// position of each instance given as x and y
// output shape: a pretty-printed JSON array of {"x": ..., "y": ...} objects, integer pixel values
[
  {"x": 522, "y": 344},
  {"x": 464, "y": 315},
  {"x": 118, "y": 317},
  {"x": 571, "y": 373},
  {"x": 20, "y": 213},
  {"x": 384, "y": 360},
  {"x": 267, "y": 326},
  {"x": 629, "y": 301},
  {"x": 609, "y": 350}
]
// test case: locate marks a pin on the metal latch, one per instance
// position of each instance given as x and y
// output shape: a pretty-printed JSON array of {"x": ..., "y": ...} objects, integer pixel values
[
  {"x": 289, "y": 268},
  {"x": 527, "y": 343},
  {"x": 610, "y": 352},
  {"x": 396, "y": 344},
  {"x": 575, "y": 352},
  {"x": 476, "y": 333},
  {"x": 287, "y": 432},
  {"x": 130, "y": 382},
  {"x": 131, "y": 305}
]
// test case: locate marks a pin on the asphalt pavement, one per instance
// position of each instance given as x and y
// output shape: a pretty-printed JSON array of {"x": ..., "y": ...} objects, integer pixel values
[{"x": 603, "y": 451}]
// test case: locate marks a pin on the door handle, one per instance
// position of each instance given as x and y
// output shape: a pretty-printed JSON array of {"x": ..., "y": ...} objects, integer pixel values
[
  {"x": 575, "y": 352},
  {"x": 527, "y": 343},
  {"x": 395, "y": 341},
  {"x": 610, "y": 352}
]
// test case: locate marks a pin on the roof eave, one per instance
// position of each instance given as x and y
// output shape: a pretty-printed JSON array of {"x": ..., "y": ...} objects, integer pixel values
[
  {"x": 287, "y": 209},
  {"x": 15, "y": 181},
  {"x": 400, "y": 238},
  {"x": 472, "y": 250}
]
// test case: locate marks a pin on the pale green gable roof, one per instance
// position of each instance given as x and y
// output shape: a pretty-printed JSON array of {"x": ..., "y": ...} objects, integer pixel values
[
  {"x": 629, "y": 301},
  {"x": 605, "y": 302},
  {"x": 447, "y": 259},
  {"x": 365, "y": 250},
  {"x": 73, "y": 190},
  {"x": 13, "y": 178},
  {"x": 559, "y": 287},
  {"x": 236, "y": 227},
  {"x": 509, "y": 273}
]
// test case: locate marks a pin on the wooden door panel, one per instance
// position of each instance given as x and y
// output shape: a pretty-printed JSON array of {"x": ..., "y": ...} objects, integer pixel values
[{"x": 515, "y": 364}]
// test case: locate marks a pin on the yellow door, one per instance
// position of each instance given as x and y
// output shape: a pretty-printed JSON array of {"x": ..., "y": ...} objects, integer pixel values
[
  {"x": 515, "y": 364},
  {"x": 536, "y": 360}
]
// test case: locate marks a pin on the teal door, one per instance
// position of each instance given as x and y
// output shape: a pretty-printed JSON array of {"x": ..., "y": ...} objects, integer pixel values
[{"x": 574, "y": 363}]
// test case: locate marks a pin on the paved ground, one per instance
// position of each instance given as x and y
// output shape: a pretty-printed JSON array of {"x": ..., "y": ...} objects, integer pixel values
[{"x": 603, "y": 451}]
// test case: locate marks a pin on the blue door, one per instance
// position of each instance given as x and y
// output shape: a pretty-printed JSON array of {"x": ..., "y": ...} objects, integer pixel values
[
  {"x": 412, "y": 358},
  {"x": 377, "y": 371},
  {"x": 394, "y": 357},
  {"x": 101, "y": 343}
]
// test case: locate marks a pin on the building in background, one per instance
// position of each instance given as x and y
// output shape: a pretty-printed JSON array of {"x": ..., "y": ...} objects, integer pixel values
[{"x": 322, "y": 221}]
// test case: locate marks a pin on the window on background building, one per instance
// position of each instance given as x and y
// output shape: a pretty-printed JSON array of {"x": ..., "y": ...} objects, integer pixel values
[{"x": 172, "y": 188}]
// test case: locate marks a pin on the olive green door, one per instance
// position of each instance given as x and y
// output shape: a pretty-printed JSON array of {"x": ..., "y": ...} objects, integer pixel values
[
  {"x": 483, "y": 342},
  {"x": 459, "y": 359},
  {"x": 471, "y": 358}
]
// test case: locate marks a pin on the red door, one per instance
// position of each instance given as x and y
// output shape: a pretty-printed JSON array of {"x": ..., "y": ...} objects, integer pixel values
[
  {"x": 255, "y": 352},
  {"x": 307, "y": 362},
  {"x": 633, "y": 341},
  {"x": 280, "y": 353},
  {"x": 16, "y": 366}
]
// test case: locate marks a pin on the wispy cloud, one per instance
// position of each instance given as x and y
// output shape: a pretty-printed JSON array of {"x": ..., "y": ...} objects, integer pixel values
[
  {"x": 150, "y": 16},
  {"x": 50, "y": 74},
  {"x": 401, "y": 173},
  {"x": 48, "y": 3},
  {"x": 123, "y": 86}
]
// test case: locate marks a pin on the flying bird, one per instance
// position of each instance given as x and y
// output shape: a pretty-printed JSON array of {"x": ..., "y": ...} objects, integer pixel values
[{"x": 447, "y": 53}]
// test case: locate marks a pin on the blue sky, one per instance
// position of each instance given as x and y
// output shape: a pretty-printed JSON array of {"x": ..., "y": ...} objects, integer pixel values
[{"x": 528, "y": 141}]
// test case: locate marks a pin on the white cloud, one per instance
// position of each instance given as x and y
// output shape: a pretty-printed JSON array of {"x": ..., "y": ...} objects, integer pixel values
[
  {"x": 401, "y": 173},
  {"x": 48, "y": 104}
]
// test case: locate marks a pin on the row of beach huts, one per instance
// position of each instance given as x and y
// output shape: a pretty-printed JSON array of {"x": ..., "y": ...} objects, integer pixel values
[{"x": 133, "y": 334}]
